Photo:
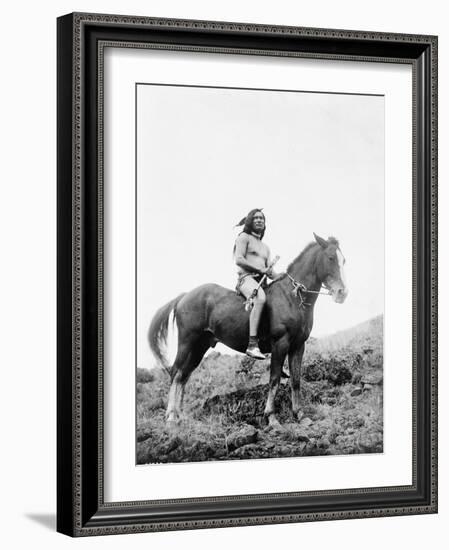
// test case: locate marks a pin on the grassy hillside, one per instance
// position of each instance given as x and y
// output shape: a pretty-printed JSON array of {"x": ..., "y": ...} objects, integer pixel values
[{"x": 223, "y": 407}]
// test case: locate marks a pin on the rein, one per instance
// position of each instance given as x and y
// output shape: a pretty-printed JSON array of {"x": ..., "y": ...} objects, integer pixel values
[{"x": 299, "y": 288}]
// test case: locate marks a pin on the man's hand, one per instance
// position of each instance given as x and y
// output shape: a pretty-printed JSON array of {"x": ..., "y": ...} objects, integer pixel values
[
  {"x": 278, "y": 276},
  {"x": 269, "y": 272}
]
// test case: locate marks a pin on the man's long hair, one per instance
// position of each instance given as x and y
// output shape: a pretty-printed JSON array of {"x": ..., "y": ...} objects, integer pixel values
[{"x": 247, "y": 223}]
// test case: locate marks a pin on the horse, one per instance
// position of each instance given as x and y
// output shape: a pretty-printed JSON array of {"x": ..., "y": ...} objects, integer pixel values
[{"x": 211, "y": 313}]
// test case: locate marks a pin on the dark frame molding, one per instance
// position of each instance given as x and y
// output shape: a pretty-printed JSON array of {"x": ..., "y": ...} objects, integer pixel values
[{"x": 81, "y": 510}]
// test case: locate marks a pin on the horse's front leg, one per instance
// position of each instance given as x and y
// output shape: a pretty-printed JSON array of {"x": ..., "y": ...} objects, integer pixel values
[
  {"x": 278, "y": 354},
  {"x": 294, "y": 363}
]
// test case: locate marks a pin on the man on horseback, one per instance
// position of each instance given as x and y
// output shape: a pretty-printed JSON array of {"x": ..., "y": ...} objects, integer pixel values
[
  {"x": 252, "y": 257},
  {"x": 211, "y": 313}
]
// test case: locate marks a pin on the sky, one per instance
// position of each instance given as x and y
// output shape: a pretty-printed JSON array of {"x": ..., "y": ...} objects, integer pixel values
[{"x": 206, "y": 156}]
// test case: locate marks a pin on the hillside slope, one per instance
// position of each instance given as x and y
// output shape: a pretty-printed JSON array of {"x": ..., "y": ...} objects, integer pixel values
[{"x": 342, "y": 396}]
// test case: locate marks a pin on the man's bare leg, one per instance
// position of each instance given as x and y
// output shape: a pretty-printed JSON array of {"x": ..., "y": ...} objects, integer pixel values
[
  {"x": 255, "y": 314},
  {"x": 247, "y": 288}
]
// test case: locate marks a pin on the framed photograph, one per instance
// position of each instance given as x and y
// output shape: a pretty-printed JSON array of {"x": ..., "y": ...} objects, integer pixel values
[{"x": 247, "y": 274}]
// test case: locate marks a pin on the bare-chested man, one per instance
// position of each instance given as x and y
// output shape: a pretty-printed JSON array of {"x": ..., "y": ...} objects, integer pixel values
[{"x": 252, "y": 257}]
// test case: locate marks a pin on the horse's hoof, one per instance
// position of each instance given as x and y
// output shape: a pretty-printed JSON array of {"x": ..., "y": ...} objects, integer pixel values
[
  {"x": 298, "y": 415},
  {"x": 274, "y": 424},
  {"x": 172, "y": 419}
]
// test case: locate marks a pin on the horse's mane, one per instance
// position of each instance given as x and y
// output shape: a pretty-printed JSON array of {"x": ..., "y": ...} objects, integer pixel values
[
  {"x": 330, "y": 240},
  {"x": 333, "y": 240},
  {"x": 302, "y": 254}
]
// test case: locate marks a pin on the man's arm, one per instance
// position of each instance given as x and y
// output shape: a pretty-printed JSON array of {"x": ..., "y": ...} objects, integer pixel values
[
  {"x": 241, "y": 246},
  {"x": 271, "y": 273},
  {"x": 269, "y": 270}
]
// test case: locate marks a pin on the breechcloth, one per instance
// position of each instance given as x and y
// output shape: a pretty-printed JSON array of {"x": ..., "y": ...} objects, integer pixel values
[{"x": 255, "y": 277}]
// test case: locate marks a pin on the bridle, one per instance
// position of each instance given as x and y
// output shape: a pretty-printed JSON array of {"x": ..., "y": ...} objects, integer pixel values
[{"x": 299, "y": 288}]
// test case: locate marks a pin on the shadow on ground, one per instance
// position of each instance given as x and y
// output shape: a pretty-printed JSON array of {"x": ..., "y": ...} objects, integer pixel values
[{"x": 46, "y": 520}]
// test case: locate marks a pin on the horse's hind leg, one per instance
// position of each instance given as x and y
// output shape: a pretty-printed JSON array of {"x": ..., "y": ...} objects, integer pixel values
[
  {"x": 187, "y": 359},
  {"x": 175, "y": 398}
]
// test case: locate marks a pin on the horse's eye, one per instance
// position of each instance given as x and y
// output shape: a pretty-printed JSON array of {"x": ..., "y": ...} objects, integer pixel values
[{"x": 331, "y": 259}]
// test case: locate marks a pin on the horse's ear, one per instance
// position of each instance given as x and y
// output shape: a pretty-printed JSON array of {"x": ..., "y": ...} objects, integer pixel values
[{"x": 322, "y": 242}]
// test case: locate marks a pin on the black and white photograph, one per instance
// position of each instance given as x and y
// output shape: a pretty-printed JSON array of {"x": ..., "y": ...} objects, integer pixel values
[
  {"x": 222, "y": 286},
  {"x": 260, "y": 267},
  {"x": 247, "y": 279}
]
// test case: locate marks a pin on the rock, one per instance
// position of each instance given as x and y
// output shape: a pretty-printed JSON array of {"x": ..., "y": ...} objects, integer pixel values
[
  {"x": 284, "y": 450},
  {"x": 345, "y": 444},
  {"x": 220, "y": 454},
  {"x": 305, "y": 422},
  {"x": 146, "y": 430},
  {"x": 168, "y": 446},
  {"x": 295, "y": 432},
  {"x": 249, "y": 451},
  {"x": 356, "y": 392},
  {"x": 324, "y": 443},
  {"x": 372, "y": 379},
  {"x": 144, "y": 433},
  {"x": 301, "y": 435},
  {"x": 370, "y": 443},
  {"x": 244, "y": 436},
  {"x": 358, "y": 421},
  {"x": 368, "y": 387}
]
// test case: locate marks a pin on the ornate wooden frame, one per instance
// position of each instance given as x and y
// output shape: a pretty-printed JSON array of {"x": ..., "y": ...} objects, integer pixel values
[{"x": 81, "y": 507}]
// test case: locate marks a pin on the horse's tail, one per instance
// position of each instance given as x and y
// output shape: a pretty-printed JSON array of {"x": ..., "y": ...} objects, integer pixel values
[{"x": 159, "y": 329}]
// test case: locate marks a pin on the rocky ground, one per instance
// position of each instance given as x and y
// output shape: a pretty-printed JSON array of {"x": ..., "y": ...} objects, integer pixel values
[{"x": 342, "y": 389}]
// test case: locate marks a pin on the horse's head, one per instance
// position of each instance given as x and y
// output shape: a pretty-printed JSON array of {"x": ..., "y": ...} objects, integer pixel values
[{"x": 330, "y": 268}]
